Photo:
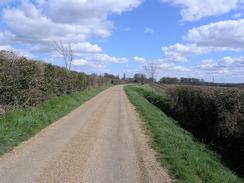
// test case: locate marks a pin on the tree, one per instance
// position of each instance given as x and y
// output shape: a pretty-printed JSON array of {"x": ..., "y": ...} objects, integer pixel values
[
  {"x": 66, "y": 51},
  {"x": 169, "y": 80},
  {"x": 151, "y": 69},
  {"x": 140, "y": 78}
]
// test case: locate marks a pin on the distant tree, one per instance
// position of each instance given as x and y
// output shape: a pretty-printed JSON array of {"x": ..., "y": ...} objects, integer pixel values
[
  {"x": 124, "y": 77},
  {"x": 168, "y": 80},
  {"x": 111, "y": 76},
  {"x": 66, "y": 51},
  {"x": 151, "y": 70},
  {"x": 140, "y": 78},
  {"x": 191, "y": 80}
]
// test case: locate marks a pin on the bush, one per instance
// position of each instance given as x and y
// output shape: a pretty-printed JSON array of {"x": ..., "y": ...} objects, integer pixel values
[
  {"x": 25, "y": 83},
  {"x": 214, "y": 115}
]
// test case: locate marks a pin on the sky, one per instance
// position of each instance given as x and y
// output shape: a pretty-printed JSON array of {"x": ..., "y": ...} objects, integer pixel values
[{"x": 184, "y": 38}]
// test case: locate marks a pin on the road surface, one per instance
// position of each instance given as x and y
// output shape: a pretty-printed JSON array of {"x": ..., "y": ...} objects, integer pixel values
[{"x": 100, "y": 142}]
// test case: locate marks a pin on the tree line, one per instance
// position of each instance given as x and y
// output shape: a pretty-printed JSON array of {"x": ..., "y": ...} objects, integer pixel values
[{"x": 142, "y": 78}]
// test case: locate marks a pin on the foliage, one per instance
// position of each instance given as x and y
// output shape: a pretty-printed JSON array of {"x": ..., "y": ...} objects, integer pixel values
[
  {"x": 25, "y": 83},
  {"x": 186, "y": 158},
  {"x": 215, "y": 116},
  {"x": 140, "y": 78}
]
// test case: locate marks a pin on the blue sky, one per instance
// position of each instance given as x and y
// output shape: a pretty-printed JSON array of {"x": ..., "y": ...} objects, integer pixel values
[{"x": 184, "y": 38}]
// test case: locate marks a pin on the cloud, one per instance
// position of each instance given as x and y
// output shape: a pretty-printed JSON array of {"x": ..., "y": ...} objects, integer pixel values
[
  {"x": 127, "y": 29},
  {"x": 237, "y": 15},
  {"x": 215, "y": 37},
  {"x": 148, "y": 30},
  {"x": 208, "y": 61},
  {"x": 230, "y": 63},
  {"x": 2, "y": 2},
  {"x": 225, "y": 34},
  {"x": 198, "y": 9},
  {"x": 139, "y": 59},
  {"x": 227, "y": 67},
  {"x": 96, "y": 63},
  {"x": 80, "y": 62},
  {"x": 180, "y": 51},
  {"x": 105, "y": 59},
  {"x": 41, "y": 22},
  {"x": 86, "y": 47},
  {"x": 224, "y": 69},
  {"x": 76, "y": 11}
]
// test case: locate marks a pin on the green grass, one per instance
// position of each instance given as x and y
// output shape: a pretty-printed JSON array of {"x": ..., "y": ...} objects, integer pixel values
[
  {"x": 187, "y": 160},
  {"x": 18, "y": 126}
]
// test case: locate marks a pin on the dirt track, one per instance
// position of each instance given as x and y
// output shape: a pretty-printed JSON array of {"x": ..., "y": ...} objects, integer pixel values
[{"x": 100, "y": 142}]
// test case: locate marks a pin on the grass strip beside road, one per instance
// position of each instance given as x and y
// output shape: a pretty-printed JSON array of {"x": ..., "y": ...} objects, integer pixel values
[
  {"x": 187, "y": 160},
  {"x": 18, "y": 126}
]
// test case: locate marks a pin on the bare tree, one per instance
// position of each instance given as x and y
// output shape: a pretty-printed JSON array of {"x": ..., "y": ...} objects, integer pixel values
[
  {"x": 66, "y": 51},
  {"x": 151, "y": 70}
]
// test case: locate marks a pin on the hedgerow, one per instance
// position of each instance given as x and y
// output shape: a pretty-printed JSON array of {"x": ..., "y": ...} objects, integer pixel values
[
  {"x": 25, "y": 83},
  {"x": 214, "y": 115}
]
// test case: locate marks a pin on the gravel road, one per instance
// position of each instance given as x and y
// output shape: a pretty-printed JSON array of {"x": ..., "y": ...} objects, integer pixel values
[{"x": 100, "y": 142}]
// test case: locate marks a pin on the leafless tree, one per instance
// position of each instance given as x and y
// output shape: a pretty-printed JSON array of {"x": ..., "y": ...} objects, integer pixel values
[
  {"x": 66, "y": 51},
  {"x": 151, "y": 70}
]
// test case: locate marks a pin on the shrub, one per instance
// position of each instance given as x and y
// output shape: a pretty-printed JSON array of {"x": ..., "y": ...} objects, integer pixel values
[
  {"x": 25, "y": 83},
  {"x": 214, "y": 115}
]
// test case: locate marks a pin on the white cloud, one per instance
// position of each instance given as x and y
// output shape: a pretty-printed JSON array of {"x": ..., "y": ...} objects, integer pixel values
[
  {"x": 237, "y": 15},
  {"x": 40, "y": 23},
  {"x": 180, "y": 51},
  {"x": 175, "y": 59},
  {"x": 228, "y": 66},
  {"x": 226, "y": 69},
  {"x": 181, "y": 68},
  {"x": 2, "y": 2},
  {"x": 127, "y": 29},
  {"x": 139, "y": 59},
  {"x": 215, "y": 37},
  {"x": 83, "y": 11},
  {"x": 208, "y": 61},
  {"x": 193, "y": 10},
  {"x": 80, "y": 62},
  {"x": 96, "y": 63},
  {"x": 166, "y": 65},
  {"x": 86, "y": 47},
  {"x": 225, "y": 34},
  {"x": 148, "y": 30},
  {"x": 105, "y": 59},
  {"x": 161, "y": 62}
]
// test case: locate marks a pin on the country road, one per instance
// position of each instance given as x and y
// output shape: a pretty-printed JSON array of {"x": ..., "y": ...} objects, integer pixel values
[{"x": 100, "y": 142}]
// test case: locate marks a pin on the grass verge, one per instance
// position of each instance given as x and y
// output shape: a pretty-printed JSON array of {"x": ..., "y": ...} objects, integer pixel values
[
  {"x": 18, "y": 126},
  {"x": 187, "y": 160}
]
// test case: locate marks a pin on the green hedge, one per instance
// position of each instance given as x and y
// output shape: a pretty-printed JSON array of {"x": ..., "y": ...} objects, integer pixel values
[
  {"x": 187, "y": 160},
  {"x": 214, "y": 115},
  {"x": 28, "y": 83}
]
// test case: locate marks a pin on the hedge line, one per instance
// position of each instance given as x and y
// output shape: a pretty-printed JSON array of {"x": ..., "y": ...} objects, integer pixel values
[
  {"x": 28, "y": 83},
  {"x": 214, "y": 115}
]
